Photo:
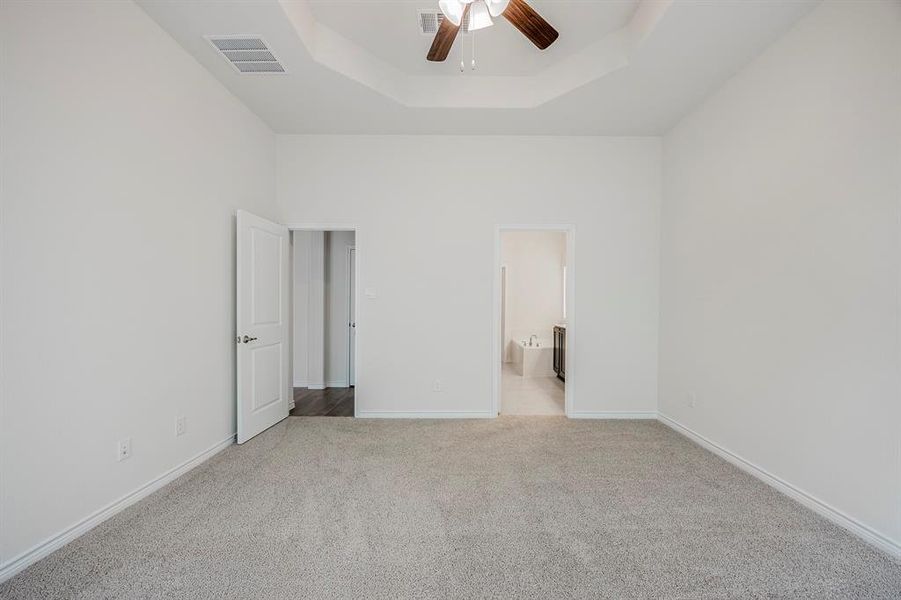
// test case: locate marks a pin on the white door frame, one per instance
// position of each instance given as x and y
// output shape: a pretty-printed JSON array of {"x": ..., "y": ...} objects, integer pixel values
[
  {"x": 351, "y": 331},
  {"x": 496, "y": 352},
  {"x": 357, "y": 292},
  {"x": 503, "y": 312}
]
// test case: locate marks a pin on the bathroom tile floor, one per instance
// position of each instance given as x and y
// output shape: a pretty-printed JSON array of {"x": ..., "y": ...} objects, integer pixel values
[{"x": 530, "y": 395}]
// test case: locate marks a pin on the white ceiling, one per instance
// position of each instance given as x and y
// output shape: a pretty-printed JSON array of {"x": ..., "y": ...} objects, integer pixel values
[
  {"x": 620, "y": 67},
  {"x": 390, "y": 31}
]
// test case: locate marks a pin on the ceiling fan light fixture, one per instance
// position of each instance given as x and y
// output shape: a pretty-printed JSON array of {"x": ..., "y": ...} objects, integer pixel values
[
  {"x": 497, "y": 7},
  {"x": 479, "y": 17},
  {"x": 452, "y": 10},
  {"x": 478, "y": 14}
]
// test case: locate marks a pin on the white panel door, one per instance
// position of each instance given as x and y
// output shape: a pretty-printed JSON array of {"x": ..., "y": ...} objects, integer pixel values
[{"x": 262, "y": 324}]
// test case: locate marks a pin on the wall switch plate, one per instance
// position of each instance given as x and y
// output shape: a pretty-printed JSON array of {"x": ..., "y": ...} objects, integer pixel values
[
  {"x": 123, "y": 449},
  {"x": 692, "y": 399},
  {"x": 369, "y": 292},
  {"x": 179, "y": 426},
  {"x": 437, "y": 386}
]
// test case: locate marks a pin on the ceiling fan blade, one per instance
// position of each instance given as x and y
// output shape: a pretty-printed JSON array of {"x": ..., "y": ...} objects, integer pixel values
[
  {"x": 530, "y": 23},
  {"x": 444, "y": 38}
]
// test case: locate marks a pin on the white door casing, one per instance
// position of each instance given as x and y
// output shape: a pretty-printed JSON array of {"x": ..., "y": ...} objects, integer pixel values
[{"x": 262, "y": 324}]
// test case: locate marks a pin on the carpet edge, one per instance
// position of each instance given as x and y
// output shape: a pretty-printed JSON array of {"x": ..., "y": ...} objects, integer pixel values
[
  {"x": 824, "y": 509},
  {"x": 43, "y": 549}
]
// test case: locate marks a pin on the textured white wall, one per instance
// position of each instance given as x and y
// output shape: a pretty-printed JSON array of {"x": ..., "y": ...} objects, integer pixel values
[
  {"x": 781, "y": 262},
  {"x": 118, "y": 206},
  {"x": 426, "y": 247},
  {"x": 331, "y": 351},
  {"x": 336, "y": 307},
  {"x": 300, "y": 248},
  {"x": 316, "y": 307},
  {"x": 534, "y": 261}
]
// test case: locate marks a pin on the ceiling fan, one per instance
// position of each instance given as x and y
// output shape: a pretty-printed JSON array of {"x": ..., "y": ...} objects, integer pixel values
[{"x": 520, "y": 14}]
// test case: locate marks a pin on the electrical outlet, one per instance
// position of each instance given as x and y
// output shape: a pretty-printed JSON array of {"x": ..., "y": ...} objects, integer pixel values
[
  {"x": 437, "y": 386},
  {"x": 179, "y": 426},
  {"x": 123, "y": 450},
  {"x": 692, "y": 399}
]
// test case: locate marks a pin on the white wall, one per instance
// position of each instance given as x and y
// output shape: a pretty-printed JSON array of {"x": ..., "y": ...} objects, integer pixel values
[
  {"x": 336, "y": 307},
  {"x": 316, "y": 308},
  {"x": 300, "y": 248},
  {"x": 781, "y": 262},
  {"x": 425, "y": 242},
  {"x": 332, "y": 349},
  {"x": 534, "y": 261},
  {"x": 118, "y": 206}
]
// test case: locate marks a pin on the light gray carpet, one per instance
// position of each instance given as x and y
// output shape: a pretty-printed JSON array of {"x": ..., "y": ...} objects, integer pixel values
[{"x": 518, "y": 507}]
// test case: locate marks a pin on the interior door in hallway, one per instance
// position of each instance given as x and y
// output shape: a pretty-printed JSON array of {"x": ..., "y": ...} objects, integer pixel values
[{"x": 262, "y": 324}]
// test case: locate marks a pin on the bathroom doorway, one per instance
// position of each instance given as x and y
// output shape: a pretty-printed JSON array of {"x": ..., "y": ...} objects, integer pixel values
[{"x": 534, "y": 320}]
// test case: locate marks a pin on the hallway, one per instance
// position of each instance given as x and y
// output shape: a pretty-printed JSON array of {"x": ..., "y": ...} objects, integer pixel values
[{"x": 330, "y": 402}]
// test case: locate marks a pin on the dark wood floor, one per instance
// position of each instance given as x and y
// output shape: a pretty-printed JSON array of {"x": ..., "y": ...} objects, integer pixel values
[{"x": 330, "y": 402}]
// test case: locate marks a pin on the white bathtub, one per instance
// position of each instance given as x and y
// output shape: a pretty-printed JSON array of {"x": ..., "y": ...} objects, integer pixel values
[{"x": 533, "y": 361}]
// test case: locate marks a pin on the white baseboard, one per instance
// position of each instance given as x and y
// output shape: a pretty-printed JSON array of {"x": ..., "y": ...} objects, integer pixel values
[
  {"x": 321, "y": 386},
  {"x": 424, "y": 414},
  {"x": 36, "y": 553},
  {"x": 299, "y": 383},
  {"x": 812, "y": 502},
  {"x": 613, "y": 414}
]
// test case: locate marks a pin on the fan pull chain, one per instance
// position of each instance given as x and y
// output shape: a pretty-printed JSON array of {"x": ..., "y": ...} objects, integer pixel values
[
  {"x": 462, "y": 56},
  {"x": 473, "y": 34}
]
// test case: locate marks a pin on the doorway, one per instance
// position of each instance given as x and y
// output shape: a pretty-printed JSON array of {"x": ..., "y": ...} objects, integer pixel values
[
  {"x": 534, "y": 316},
  {"x": 324, "y": 322}
]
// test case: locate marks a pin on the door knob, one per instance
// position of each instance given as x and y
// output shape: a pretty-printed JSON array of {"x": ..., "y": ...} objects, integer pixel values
[{"x": 248, "y": 339}]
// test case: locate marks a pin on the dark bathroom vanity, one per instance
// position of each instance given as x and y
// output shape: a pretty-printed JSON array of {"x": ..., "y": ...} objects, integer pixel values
[{"x": 560, "y": 351}]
